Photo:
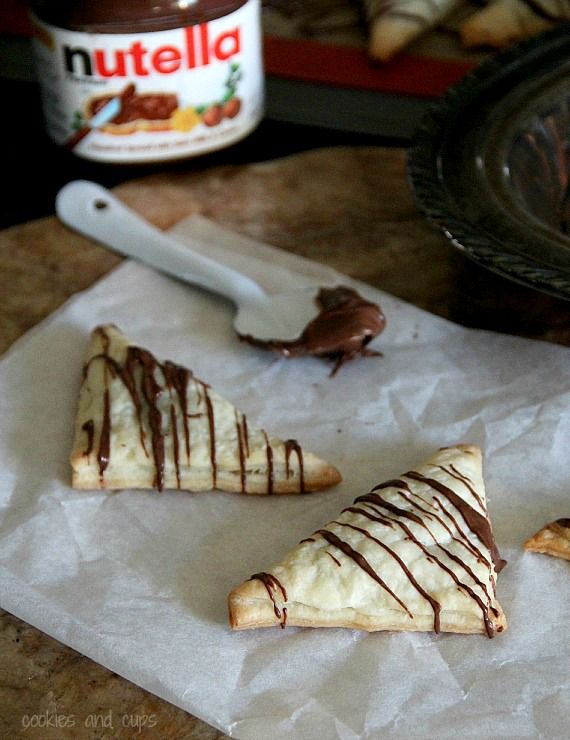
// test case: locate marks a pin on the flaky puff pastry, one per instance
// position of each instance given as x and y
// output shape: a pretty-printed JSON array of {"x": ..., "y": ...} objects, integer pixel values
[
  {"x": 142, "y": 423},
  {"x": 416, "y": 553},
  {"x": 552, "y": 539},
  {"x": 504, "y": 22},
  {"x": 394, "y": 24}
]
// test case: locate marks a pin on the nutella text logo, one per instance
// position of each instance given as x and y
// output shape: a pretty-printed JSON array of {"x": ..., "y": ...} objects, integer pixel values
[{"x": 198, "y": 49}]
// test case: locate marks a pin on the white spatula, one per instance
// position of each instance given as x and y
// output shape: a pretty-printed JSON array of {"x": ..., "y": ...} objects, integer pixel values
[{"x": 93, "y": 211}]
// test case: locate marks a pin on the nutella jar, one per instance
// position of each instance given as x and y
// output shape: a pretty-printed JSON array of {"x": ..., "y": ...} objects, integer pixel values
[{"x": 138, "y": 81}]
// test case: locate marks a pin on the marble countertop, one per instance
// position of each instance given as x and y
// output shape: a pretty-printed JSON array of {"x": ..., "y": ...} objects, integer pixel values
[{"x": 348, "y": 207}]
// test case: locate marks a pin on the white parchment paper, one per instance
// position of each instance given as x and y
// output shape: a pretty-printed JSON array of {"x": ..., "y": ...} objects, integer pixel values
[{"x": 138, "y": 580}]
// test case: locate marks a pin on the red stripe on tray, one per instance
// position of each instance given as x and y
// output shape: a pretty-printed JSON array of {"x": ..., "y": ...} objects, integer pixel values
[{"x": 331, "y": 64}]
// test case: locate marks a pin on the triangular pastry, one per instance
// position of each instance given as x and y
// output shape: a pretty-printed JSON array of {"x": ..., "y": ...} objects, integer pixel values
[
  {"x": 553, "y": 539},
  {"x": 142, "y": 423},
  {"x": 504, "y": 22},
  {"x": 394, "y": 24},
  {"x": 416, "y": 553}
]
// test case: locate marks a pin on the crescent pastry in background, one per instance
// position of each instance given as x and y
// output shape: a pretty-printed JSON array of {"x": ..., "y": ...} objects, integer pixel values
[
  {"x": 504, "y": 22},
  {"x": 553, "y": 539},
  {"x": 394, "y": 24}
]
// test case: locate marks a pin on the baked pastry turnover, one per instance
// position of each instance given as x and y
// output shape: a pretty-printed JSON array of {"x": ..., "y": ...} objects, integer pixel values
[
  {"x": 503, "y": 22},
  {"x": 395, "y": 24},
  {"x": 416, "y": 553},
  {"x": 142, "y": 423},
  {"x": 553, "y": 539}
]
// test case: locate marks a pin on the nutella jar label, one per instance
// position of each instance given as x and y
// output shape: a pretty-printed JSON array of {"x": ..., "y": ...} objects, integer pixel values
[{"x": 144, "y": 97}]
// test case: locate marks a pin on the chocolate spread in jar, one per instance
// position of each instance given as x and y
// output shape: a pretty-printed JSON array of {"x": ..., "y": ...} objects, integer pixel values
[
  {"x": 193, "y": 71},
  {"x": 341, "y": 331}
]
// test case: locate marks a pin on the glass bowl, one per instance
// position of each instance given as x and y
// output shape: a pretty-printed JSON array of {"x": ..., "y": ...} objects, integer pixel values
[{"x": 489, "y": 164}]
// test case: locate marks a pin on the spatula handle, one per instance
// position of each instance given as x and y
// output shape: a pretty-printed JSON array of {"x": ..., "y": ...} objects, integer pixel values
[{"x": 93, "y": 211}]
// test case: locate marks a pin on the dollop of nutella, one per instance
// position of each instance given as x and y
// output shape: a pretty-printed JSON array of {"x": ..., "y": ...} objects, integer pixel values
[{"x": 341, "y": 331}]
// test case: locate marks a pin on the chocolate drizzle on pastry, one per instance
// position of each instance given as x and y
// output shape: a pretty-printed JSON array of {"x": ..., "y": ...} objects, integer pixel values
[
  {"x": 89, "y": 428},
  {"x": 341, "y": 331},
  {"x": 430, "y": 522},
  {"x": 270, "y": 471},
  {"x": 212, "y": 428},
  {"x": 177, "y": 378},
  {"x": 105, "y": 438},
  {"x": 242, "y": 443},
  {"x": 361, "y": 561},
  {"x": 477, "y": 522},
  {"x": 377, "y": 502},
  {"x": 291, "y": 445},
  {"x": 149, "y": 382},
  {"x": 272, "y": 585}
]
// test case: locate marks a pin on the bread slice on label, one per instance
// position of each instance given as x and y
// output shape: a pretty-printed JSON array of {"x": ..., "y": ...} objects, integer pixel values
[
  {"x": 142, "y": 423},
  {"x": 552, "y": 539},
  {"x": 415, "y": 553}
]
